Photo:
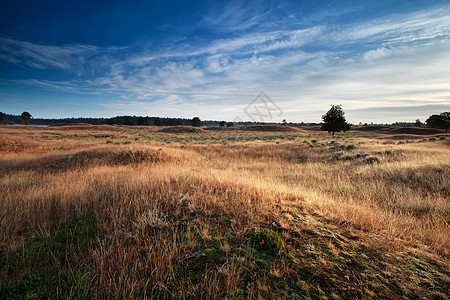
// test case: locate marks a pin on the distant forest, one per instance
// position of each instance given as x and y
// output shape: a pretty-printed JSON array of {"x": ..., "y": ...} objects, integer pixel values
[
  {"x": 119, "y": 120},
  {"x": 157, "y": 121}
]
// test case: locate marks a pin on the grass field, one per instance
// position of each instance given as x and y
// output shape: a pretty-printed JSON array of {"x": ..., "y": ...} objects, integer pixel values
[{"x": 144, "y": 212}]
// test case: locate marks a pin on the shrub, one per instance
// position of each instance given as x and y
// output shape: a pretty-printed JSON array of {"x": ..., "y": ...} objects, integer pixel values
[
  {"x": 372, "y": 159},
  {"x": 349, "y": 147},
  {"x": 302, "y": 158},
  {"x": 348, "y": 157}
]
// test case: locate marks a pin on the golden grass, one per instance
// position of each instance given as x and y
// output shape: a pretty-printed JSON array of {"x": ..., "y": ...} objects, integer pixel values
[{"x": 158, "y": 204}]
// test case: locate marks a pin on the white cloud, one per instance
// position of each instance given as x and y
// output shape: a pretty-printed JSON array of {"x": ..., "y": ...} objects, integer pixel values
[
  {"x": 71, "y": 58},
  {"x": 376, "y": 53},
  {"x": 395, "y": 29},
  {"x": 238, "y": 15},
  {"x": 395, "y": 61}
]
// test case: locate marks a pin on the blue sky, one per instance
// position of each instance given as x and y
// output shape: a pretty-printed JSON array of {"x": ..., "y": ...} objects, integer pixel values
[{"x": 384, "y": 61}]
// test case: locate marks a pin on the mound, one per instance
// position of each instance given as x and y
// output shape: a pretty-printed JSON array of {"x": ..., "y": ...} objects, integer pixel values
[
  {"x": 263, "y": 128},
  {"x": 141, "y": 127},
  {"x": 181, "y": 129},
  {"x": 413, "y": 130},
  {"x": 222, "y": 128},
  {"x": 370, "y": 128},
  {"x": 271, "y": 128},
  {"x": 401, "y": 136},
  {"x": 87, "y": 158},
  {"x": 311, "y": 127},
  {"x": 104, "y": 127},
  {"x": 69, "y": 124},
  {"x": 82, "y": 126}
]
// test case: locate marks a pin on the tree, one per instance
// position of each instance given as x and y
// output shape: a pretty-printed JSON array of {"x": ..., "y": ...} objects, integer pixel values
[
  {"x": 25, "y": 118},
  {"x": 145, "y": 121},
  {"x": 196, "y": 122},
  {"x": 284, "y": 122},
  {"x": 128, "y": 120},
  {"x": 417, "y": 123},
  {"x": 222, "y": 123},
  {"x": 157, "y": 122},
  {"x": 334, "y": 120},
  {"x": 442, "y": 120},
  {"x": 2, "y": 117}
]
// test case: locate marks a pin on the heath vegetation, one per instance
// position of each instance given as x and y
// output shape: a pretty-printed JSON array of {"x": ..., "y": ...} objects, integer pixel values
[{"x": 125, "y": 212}]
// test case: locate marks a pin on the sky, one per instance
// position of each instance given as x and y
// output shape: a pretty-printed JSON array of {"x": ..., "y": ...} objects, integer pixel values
[{"x": 383, "y": 61}]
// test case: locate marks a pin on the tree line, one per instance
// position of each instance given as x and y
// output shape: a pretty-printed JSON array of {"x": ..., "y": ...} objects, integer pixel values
[
  {"x": 27, "y": 119},
  {"x": 332, "y": 121}
]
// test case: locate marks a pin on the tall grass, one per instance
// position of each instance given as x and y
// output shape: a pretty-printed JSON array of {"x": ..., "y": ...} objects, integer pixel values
[{"x": 163, "y": 222}]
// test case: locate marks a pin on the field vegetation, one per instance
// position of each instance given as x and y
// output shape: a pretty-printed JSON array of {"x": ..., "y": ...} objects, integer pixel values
[{"x": 240, "y": 212}]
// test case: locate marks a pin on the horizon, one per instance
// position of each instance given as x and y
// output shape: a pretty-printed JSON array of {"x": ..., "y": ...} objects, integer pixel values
[
  {"x": 209, "y": 120},
  {"x": 384, "y": 62}
]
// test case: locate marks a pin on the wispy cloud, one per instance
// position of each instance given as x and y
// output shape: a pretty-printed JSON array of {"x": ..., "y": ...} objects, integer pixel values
[
  {"x": 376, "y": 63},
  {"x": 394, "y": 29},
  {"x": 71, "y": 58},
  {"x": 233, "y": 16}
]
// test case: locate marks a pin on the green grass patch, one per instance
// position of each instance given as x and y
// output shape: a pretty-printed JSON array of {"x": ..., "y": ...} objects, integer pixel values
[
  {"x": 348, "y": 157},
  {"x": 350, "y": 147},
  {"x": 269, "y": 241},
  {"x": 52, "y": 266}
]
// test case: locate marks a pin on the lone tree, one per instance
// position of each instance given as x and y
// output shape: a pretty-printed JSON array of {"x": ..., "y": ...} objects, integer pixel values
[
  {"x": 25, "y": 118},
  {"x": 442, "y": 120},
  {"x": 196, "y": 122},
  {"x": 2, "y": 117},
  {"x": 334, "y": 120}
]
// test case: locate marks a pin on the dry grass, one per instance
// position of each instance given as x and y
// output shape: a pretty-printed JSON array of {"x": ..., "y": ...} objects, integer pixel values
[{"x": 178, "y": 218}]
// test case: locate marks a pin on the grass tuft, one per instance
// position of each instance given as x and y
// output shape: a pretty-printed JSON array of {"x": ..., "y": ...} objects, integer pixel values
[
  {"x": 269, "y": 241},
  {"x": 372, "y": 159}
]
